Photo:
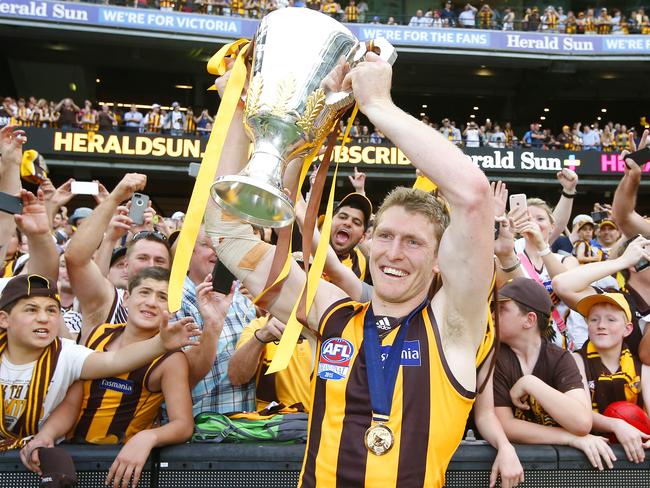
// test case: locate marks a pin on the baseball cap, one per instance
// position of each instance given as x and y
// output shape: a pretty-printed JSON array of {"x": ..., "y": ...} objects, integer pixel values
[
  {"x": 178, "y": 216},
  {"x": 175, "y": 104},
  {"x": 155, "y": 105},
  {"x": 528, "y": 293},
  {"x": 580, "y": 220},
  {"x": 617, "y": 299},
  {"x": 608, "y": 222},
  {"x": 24, "y": 286},
  {"x": 79, "y": 213},
  {"x": 118, "y": 252},
  {"x": 357, "y": 200},
  {"x": 57, "y": 467}
]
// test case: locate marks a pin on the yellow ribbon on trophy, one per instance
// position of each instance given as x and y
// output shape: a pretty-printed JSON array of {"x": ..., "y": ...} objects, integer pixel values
[
  {"x": 209, "y": 163},
  {"x": 294, "y": 327}
]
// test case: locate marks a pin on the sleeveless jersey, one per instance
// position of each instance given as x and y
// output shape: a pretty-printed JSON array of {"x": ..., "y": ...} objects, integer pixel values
[
  {"x": 115, "y": 409},
  {"x": 426, "y": 431},
  {"x": 358, "y": 263},
  {"x": 118, "y": 313}
]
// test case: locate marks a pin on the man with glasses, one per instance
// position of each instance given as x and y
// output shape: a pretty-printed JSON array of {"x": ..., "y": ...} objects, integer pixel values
[{"x": 101, "y": 302}]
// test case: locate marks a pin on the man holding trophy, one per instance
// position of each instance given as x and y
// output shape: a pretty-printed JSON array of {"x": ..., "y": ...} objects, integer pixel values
[{"x": 394, "y": 378}]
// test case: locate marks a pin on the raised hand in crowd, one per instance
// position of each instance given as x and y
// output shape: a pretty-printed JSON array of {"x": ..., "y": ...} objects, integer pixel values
[
  {"x": 624, "y": 203},
  {"x": 358, "y": 181},
  {"x": 562, "y": 212},
  {"x": 34, "y": 222},
  {"x": 500, "y": 192},
  {"x": 55, "y": 199},
  {"x": 102, "y": 194},
  {"x": 213, "y": 307}
]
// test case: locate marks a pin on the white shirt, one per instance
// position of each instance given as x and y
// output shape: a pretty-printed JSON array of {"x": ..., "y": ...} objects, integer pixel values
[
  {"x": 15, "y": 379},
  {"x": 472, "y": 138},
  {"x": 466, "y": 18},
  {"x": 133, "y": 119}
]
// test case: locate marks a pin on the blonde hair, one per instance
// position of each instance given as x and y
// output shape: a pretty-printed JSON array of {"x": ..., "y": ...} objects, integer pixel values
[
  {"x": 538, "y": 202},
  {"x": 434, "y": 208}
]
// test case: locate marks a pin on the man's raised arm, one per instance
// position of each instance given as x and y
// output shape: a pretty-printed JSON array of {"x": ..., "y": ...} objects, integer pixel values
[
  {"x": 465, "y": 255},
  {"x": 94, "y": 291}
]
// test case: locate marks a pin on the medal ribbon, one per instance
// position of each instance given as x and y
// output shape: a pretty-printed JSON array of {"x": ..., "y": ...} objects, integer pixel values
[{"x": 382, "y": 379}]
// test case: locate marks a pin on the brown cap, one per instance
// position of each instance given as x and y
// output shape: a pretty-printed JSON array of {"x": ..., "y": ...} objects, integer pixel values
[
  {"x": 617, "y": 299},
  {"x": 24, "y": 286},
  {"x": 528, "y": 293},
  {"x": 57, "y": 467},
  {"x": 357, "y": 200}
]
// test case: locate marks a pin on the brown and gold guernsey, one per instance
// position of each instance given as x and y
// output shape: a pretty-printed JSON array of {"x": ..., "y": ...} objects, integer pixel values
[
  {"x": 425, "y": 395},
  {"x": 485, "y": 19},
  {"x": 237, "y": 7},
  {"x": 590, "y": 25},
  {"x": 552, "y": 21},
  {"x": 190, "y": 125},
  {"x": 358, "y": 263},
  {"x": 571, "y": 26},
  {"x": 289, "y": 386},
  {"x": 115, "y": 409},
  {"x": 153, "y": 124}
]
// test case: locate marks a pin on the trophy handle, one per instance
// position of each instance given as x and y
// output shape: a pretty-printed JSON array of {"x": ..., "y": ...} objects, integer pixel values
[{"x": 385, "y": 50}]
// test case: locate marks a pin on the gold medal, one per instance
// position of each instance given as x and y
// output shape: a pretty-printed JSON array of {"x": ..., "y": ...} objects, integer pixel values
[{"x": 379, "y": 439}]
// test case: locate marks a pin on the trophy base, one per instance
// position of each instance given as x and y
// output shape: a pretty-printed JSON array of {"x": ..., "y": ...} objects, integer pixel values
[{"x": 253, "y": 201}]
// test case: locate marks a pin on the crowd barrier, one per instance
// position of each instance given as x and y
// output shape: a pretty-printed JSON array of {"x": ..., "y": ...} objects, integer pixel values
[{"x": 278, "y": 466}]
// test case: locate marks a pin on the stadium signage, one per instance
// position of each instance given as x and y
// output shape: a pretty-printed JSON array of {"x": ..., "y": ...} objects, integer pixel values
[
  {"x": 502, "y": 42},
  {"x": 121, "y": 146},
  {"x": 126, "y": 145}
]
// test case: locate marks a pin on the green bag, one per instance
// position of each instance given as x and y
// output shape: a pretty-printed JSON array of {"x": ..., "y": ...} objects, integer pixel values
[{"x": 290, "y": 428}]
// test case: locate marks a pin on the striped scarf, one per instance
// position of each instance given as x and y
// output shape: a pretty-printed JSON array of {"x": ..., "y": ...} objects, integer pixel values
[
  {"x": 606, "y": 387},
  {"x": 27, "y": 424}
]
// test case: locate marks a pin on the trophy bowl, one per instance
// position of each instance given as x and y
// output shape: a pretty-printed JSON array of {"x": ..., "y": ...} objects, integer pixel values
[{"x": 290, "y": 107}]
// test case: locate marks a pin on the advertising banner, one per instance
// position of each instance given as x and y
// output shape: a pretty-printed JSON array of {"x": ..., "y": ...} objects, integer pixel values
[
  {"x": 156, "y": 148},
  {"x": 126, "y": 18}
]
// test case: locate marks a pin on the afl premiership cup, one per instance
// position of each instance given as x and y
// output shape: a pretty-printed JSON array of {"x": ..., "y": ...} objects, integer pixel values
[{"x": 290, "y": 106}]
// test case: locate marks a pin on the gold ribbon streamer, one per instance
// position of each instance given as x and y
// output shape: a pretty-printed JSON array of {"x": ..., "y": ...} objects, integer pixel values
[
  {"x": 294, "y": 327},
  {"x": 425, "y": 184},
  {"x": 209, "y": 163}
]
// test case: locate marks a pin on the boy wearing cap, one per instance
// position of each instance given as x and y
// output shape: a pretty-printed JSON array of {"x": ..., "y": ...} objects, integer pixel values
[
  {"x": 611, "y": 371},
  {"x": 37, "y": 367},
  {"x": 582, "y": 249},
  {"x": 539, "y": 396},
  {"x": 576, "y": 284}
]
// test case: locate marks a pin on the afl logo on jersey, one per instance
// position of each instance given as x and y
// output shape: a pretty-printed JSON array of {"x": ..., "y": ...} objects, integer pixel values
[{"x": 334, "y": 361}]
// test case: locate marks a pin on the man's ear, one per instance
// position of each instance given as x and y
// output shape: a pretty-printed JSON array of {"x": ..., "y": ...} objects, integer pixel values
[{"x": 4, "y": 320}]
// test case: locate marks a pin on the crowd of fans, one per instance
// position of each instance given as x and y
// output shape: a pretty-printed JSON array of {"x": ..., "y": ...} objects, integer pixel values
[
  {"x": 176, "y": 120},
  {"x": 545, "y": 19},
  {"x": 99, "y": 278},
  {"x": 66, "y": 114}
]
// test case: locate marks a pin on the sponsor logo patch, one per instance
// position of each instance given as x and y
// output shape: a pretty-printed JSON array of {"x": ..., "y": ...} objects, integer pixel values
[
  {"x": 116, "y": 384},
  {"x": 410, "y": 353},
  {"x": 334, "y": 360}
]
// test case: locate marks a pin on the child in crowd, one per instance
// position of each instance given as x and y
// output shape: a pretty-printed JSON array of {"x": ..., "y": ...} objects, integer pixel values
[
  {"x": 38, "y": 367},
  {"x": 582, "y": 249},
  {"x": 611, "y": 371}
]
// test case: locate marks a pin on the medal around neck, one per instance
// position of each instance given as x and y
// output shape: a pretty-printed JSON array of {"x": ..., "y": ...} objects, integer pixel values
[
  {"x": 379, "y": 439},
  {"x": 292, "y": 104}
]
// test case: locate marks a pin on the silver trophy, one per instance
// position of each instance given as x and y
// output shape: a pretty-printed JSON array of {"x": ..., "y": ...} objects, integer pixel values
[{"x": 289, "y": 108}]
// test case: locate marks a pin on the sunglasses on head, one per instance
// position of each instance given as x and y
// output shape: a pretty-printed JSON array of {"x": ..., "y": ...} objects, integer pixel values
[{"x": 151, "y": 235}]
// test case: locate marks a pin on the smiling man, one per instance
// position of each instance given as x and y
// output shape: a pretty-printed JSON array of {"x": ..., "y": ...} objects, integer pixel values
[
  {"x": 349, "y": 224},
  {"x": 374, "y": 425}
]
